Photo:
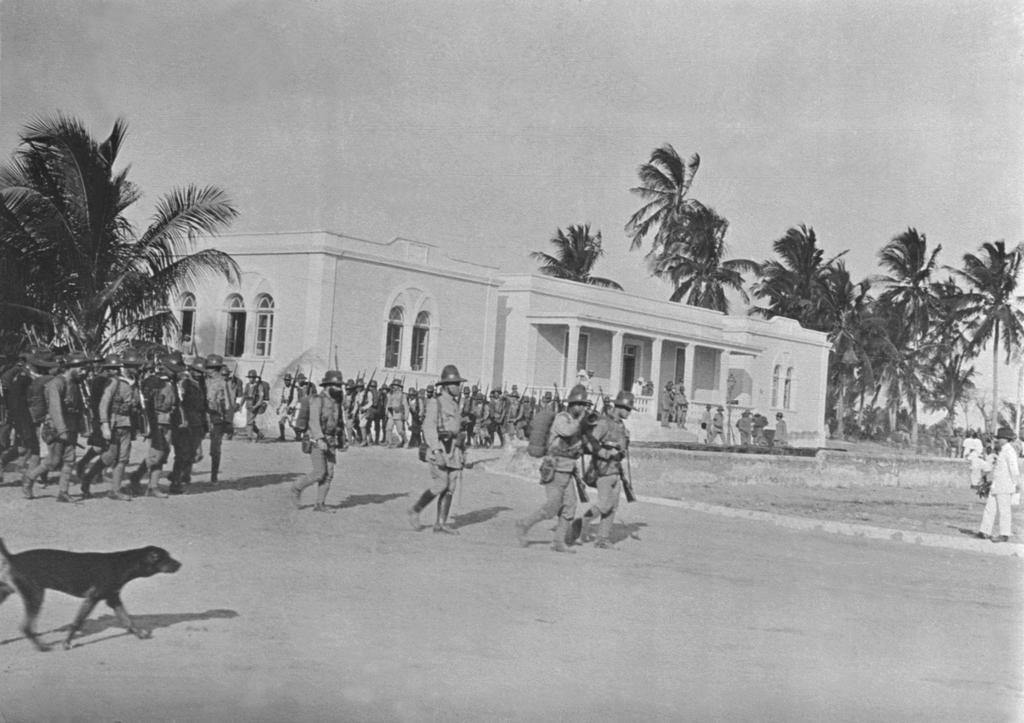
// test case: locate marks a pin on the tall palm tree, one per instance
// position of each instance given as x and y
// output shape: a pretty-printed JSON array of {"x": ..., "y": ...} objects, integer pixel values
[
  {"x": 993, "y": 303},
  {"x": 664, "y": 182},
  {"x": 796, "y": 283},
  {"x": 81, "y": 273},
  {"x": 693, "y": 260},
  {"x": 574, "y": 257},
  {"x": 908, "y": 284}
]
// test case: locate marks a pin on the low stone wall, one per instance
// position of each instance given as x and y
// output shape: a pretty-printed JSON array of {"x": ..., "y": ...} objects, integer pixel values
[{"x": 656, "y": 471}]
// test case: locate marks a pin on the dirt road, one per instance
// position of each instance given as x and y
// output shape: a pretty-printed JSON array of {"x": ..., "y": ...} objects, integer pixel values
[{"x": 280, "y": 614}]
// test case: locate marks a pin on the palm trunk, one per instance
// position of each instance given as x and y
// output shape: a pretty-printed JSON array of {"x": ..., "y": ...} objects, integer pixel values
[{"x": 995, "y": 378}]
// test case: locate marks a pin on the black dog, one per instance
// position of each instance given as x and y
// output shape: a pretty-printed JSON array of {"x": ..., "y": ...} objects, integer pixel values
[{"x": 94, "y": 576}]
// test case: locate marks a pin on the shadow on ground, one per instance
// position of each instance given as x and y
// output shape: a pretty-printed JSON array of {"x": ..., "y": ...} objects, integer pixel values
[
  {"x": 149, "y": 622},
  {"x": 475, "y": 517},
  {"x": 373, "y": 499},
  {"x": 242, "y": 483}
]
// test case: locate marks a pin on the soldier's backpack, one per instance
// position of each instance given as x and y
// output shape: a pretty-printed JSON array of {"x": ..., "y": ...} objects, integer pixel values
[
  {"x": 37, "y": 406},
  {"x": 301, "y": 423},
  {"x": 540, "y": 427}
]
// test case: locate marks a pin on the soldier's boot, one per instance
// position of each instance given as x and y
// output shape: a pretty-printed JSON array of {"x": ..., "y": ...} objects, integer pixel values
[
  {"x": 116, "y": 475},
  {"x": 604, "y": 532},
  {"x": 414, "y": 511},
  {"x": 558, "y": 541},
  {"x": 214, "y": 468},
  {"x": 135, "y": 480},
  {"x": 27, "y": 483},
  {"x": 153, "y": 487},
  {"x": 444, "y": 504},
  {"x": 280, "y": 427},
  {"x": 64, "y": 484}
]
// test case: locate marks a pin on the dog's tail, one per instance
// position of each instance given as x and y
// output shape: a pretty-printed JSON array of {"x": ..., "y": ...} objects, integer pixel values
[{"x": 3, "y": 550}]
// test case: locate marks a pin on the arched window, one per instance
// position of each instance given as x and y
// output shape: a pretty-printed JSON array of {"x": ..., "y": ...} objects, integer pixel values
[
  {"x": 264, "y": 324},
  {"x": 234, "y": 342},
  {"x": 187, "y": 325},
  {"x": 776, "y": 378},
  {"x": 393, "y": 338},
  {"x": 787, "y": 395},
  {"x": 420, "y": 336}
]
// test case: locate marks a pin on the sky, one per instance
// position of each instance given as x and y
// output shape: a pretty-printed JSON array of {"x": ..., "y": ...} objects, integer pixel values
[{"x": 485, "y": 126}]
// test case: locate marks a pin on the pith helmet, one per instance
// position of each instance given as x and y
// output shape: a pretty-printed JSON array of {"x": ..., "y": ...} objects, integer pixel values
[
  {"x": 287, "y": 376},
  {"x": 578, "y": 395},
  {"x": 252, "y": 373},
  {"x": 624, "y": 399},
  {"x": 333, "y": 377},
  {"x": 132, "y": 359},
  {"x": 397, "y": 384},
  {"x": 77, "y": 359},
  {"x": 111, "y": 361},
  {"x": 172, "y": 362},
  {"x": 1006, "y": 433},
  {"x": 214, "y": 361},
  {"x": 450, "y": 375}
]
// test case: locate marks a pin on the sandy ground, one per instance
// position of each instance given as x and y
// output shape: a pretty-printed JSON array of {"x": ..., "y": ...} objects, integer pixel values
[{"x": 280, "y": 614}]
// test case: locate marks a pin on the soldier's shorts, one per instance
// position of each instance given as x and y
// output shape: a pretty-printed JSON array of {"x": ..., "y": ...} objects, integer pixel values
[
  {"x": 119, "y": 449},
  {"x": 322, "y": 471},
  {"x": 60, "y": 452},
  {"x": 442, "y": 478},
  {"x": 159, "y": 446},
  {"x": 560, "y": 496}
]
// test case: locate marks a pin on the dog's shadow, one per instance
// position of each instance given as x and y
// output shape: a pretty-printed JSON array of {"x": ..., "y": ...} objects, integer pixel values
[
  {"x": 241, "y": 483},
  {"x": 93, "y": 627}
]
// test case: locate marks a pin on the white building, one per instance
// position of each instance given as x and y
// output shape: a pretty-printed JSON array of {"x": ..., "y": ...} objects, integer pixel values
[{"x": 317, "y": 300}]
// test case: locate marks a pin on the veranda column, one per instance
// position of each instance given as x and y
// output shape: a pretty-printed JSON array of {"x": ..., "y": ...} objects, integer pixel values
[
  {"x": 615, "y": 384},
  {"x": 655, "y": 376},
  {"x": 691, "y": 353},
  {"x": 571, "y": 357},
  {"x": 723, "y": 375}
]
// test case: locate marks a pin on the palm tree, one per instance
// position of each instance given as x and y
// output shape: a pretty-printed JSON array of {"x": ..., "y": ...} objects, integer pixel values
[
  {"x": 574, "y": 257},
  {"x": 693, "y": 261},
  {"x": 795, "y": 285},
  {"x": 73, "y": 266},
  {"x": 908, "y": 285},
  {"x": 993, "y": 303},
  {"x": 664, "y": 182}
]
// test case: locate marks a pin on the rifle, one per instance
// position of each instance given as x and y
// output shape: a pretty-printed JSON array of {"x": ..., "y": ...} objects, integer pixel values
[
  {"x": 581, "y": 489},
  {"x": 627, "y": 480},
  {"x": 336, "y": 365}
]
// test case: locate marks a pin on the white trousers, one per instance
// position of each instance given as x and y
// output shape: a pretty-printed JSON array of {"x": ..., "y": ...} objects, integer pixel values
[{"x": 988, "y": 518}]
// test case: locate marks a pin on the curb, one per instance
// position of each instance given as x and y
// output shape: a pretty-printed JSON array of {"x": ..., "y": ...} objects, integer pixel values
[{"x": 925, "y": 539}]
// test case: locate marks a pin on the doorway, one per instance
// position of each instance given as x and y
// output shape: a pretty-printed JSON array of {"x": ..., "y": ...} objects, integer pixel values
[{"x": 630, "y": 352}]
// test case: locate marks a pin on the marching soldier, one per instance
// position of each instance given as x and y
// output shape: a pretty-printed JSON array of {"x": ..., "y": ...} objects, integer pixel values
[
  {"x": 164, "y": 407},
  {"x": 415, "y": 407},
  {"x": 512, "y": 404},
  {"x": 219, "y": 409},
  {"x": 255, "y": 401},
  {"x": 120, "y": 411},
  {"x": 234, "y": 392},
  {"x": 187, "y": 436},
  {"x": 16, "y": 381},
  {"x": 397, "y": 414},
  {"x": 97, "y": 385},
  {"x": 285, "y": 406},
  {"x": 496, "y": 423},
  {"x": 65, "y": 409},
  {"x": 609, "y": 443},
  {"x": 442, "y": 431},
  {"x": 368, "y": 412},
  {"x": 326, "y": 428},
  {"x": 565, "y": 446},
  {"x": 43, "y": 366}
]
